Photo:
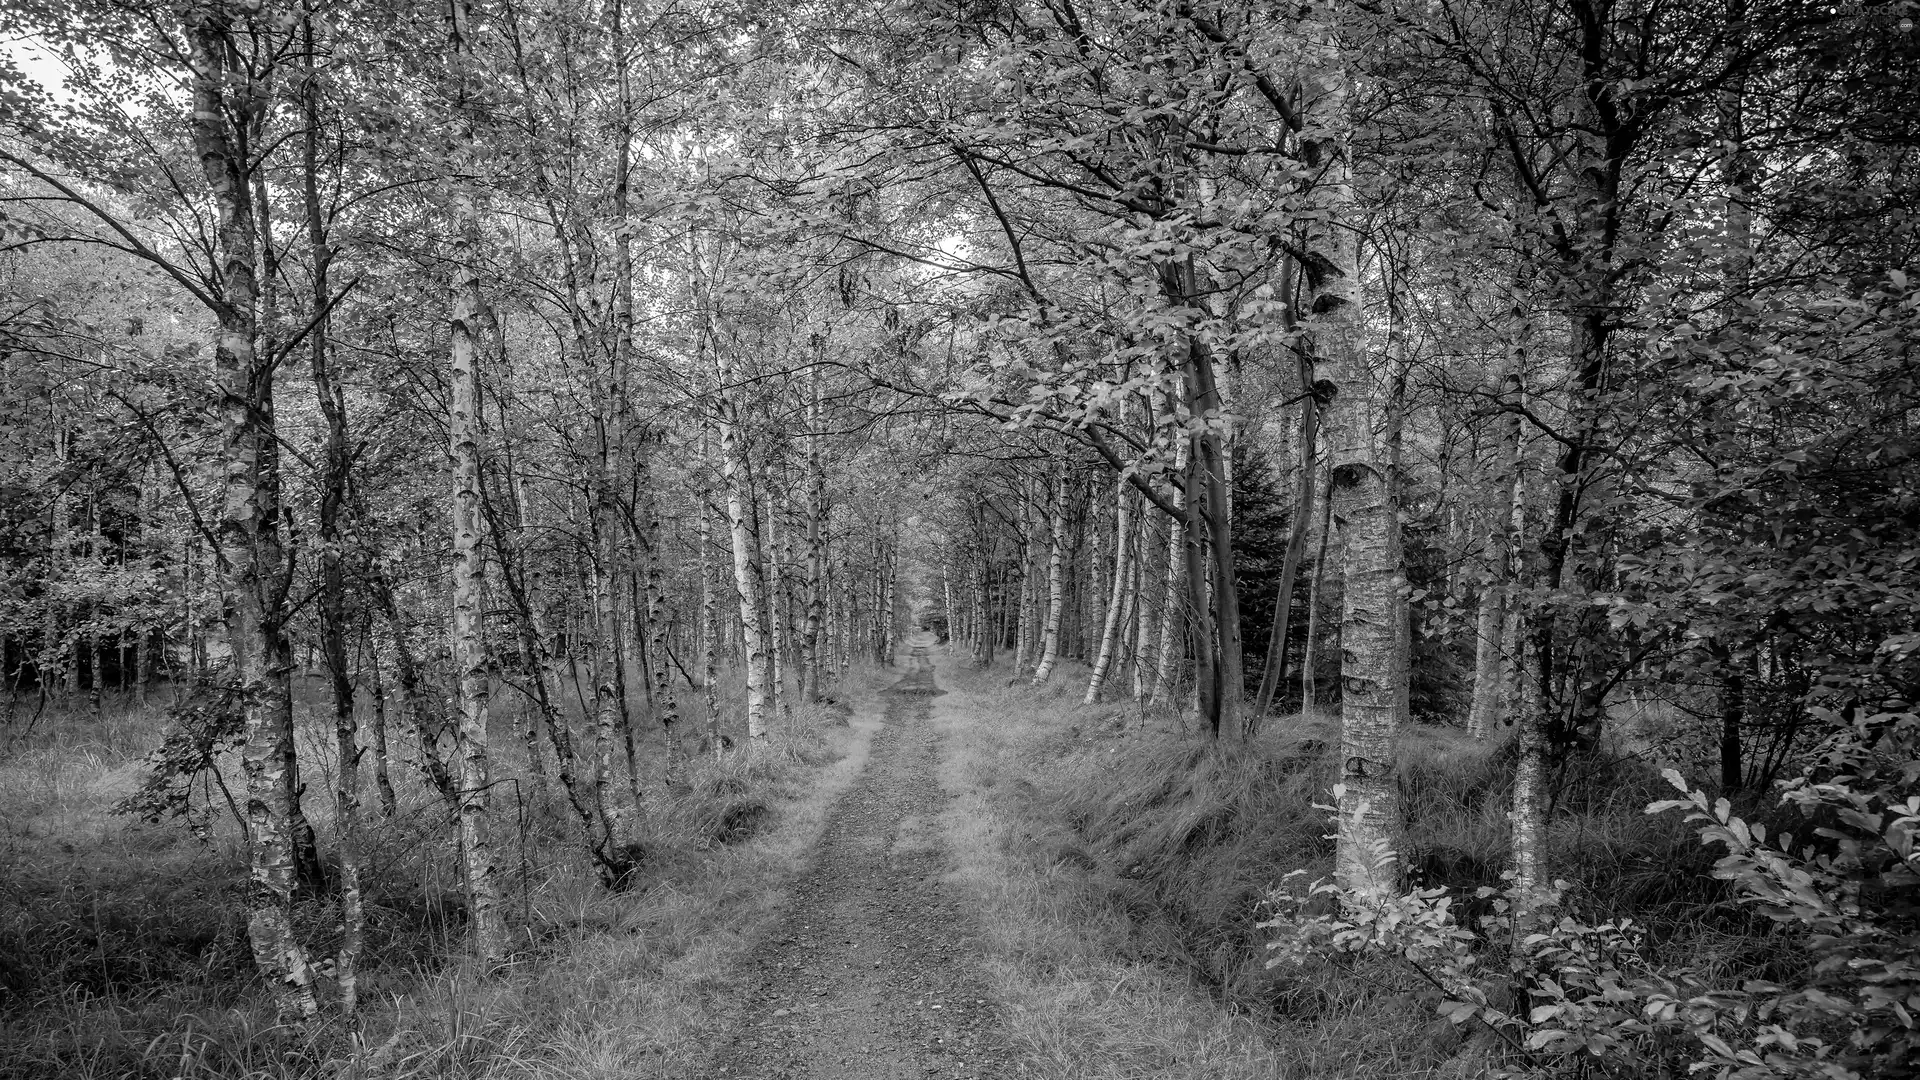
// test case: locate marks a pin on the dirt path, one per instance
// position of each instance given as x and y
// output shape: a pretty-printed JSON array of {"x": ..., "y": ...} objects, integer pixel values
[{"x": 870, "y": 973}]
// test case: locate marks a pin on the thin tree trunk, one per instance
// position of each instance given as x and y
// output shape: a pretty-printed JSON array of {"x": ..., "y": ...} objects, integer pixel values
[
  {"x": 665, "y": 704},
  {"x": 1489, "y": 666},
  {"x": 1056, "y": 576},
  {"x": 50, "y": 664},
  {"x": 709, "y": 621},
  {"x": 333, "y": 545},
  {"x": 1494, "y": 667},
  {"x": 540, "y": 655},
  {"x": 1116, "y": 609},
  {"x": 1028, "y": 644},
  {"x": 777, "y": 610},
  {"x": 1200, "y": 615},
  {"x": 983, "y": 652},
  {"x": 382, "y": 768},
  {"x": 1143, "y": 608},
  {"x": 1209, "y": 507},
  {"x": 310, "y": 873},
  {"x": 1528, "y": 818},
  {"x": 603, "y": 671},
  {"x": 1171, "y": 615},
  {"x": 849, "y": 614},
  {"x": 1290, "y": 563},
  {"x": 816, "y": 549},
  {"x": 1123, "y": 643},
  {"x": 1309, "y": 673},
  {"x": 747, "y": 568},
  {"x": 486, "y": 924}
]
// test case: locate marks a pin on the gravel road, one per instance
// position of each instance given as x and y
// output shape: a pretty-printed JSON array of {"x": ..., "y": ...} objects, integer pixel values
[{"x": 870, "y": 974}]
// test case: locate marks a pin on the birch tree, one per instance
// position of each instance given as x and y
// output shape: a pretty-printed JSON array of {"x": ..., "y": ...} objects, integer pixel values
[
  {"x": 486, "y": 925},
  {"x": 1372, "y": 667}
]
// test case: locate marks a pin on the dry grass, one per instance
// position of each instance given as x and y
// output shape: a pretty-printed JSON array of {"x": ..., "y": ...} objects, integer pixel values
[
  {"x": 122, "y": 950},
  {"x": 1122, "y": 860},
  {"x": 1117, "y": 862},
  {"x": 1085, "y": 995}
]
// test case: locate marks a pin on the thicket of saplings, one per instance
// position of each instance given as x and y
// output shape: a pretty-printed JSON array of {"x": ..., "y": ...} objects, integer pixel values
[{"x": 123, "y": 944}]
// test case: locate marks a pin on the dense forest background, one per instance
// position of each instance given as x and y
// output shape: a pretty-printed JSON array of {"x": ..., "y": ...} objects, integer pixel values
[{"x": 427, "y": 427}]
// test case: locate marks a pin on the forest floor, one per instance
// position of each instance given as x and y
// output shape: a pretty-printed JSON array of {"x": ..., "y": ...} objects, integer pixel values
[
  {"x": 873, "y": 971},
  {"x": 913, "y": 899}
]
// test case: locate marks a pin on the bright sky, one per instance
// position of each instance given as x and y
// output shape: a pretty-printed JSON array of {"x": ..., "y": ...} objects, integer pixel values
[{"x": 38, "y": 63}]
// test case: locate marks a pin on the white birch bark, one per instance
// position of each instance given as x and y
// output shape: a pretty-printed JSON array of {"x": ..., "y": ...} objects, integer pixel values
[
  {"x": 816, "y": 554},
  {"x": 1528, "y": 818},
  {"x": 747, "y": 569},
  {"x": 1056, "y": 577},
  {"x": 486, "y": 926},
  {"x": 1171, "y": 612},
  {"x": 778, "y": 645},
  {"x": 1373, "y": 670},
  {"x": 250, "y": 538},
  {"x": 1143, "y": 609},
  {"x": 1116, "y": 608},
  {"x": 709, "y": 614},
  {"x": 1026, "y": 636}
]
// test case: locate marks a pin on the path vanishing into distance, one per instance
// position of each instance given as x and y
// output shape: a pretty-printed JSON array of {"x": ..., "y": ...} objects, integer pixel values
[{"x": 872, "y": 972}]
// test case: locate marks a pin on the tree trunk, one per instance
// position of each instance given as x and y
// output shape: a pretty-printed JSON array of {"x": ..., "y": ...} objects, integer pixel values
[
  {"x": 983, "y": 611},
  {"x": 1171, "y": 611},
  {"x": 603, "y": 654},
  {"x": 1309, "y": 674},
  {"x": 382, "y": 762},
  {"x": 816, "y": 550},
  {"x": 1290, "y": 563},
  {"x": 1220, "y": 676},
  {"x": 1200, "y": 614},
  {"x": 486, "y": 925},
  {"x": 1528, "y": 818},
  {"x": 51, "y": 666},
  {"x": 1494, "y": 667},
  {"x": 709, "y": 622},
  {"x": 252, "y": 553},
  {"x": 1489, "y": 666},
  {"x": 334, "y": 481},
  {"x": 1373, "y": 673},
  {"x": 1056, "y": 576},
  {"x": 747, "y": 569},
  {"x": 777, "y": 610},
  {"x": 1033, "y": 601},
  {"x": 665, "y": 704},
  {"x": 1143, "y": 608},
  {"x": 1116, "y": 609}
]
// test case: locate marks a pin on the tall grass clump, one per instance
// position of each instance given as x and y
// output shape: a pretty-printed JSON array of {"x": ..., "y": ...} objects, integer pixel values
[
  {"x": 123, "y": 950},
  {"x": 1187, "y": 836}
]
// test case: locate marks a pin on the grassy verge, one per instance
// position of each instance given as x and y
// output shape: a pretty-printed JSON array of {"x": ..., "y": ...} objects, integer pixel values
[
  {"x": 122, "y": 949},
  {"x": 1120, "y": 863},
  {"x": 1087, "y": 989}
]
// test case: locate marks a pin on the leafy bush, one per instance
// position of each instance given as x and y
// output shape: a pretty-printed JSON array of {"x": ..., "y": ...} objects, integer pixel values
[{"x": 1561, "y": 996}]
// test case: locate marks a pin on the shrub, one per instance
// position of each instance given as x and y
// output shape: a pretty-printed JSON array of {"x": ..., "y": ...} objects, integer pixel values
[{"x": 1561, "y": 995}]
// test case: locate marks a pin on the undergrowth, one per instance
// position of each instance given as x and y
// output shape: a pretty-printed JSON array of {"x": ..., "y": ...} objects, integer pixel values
[
  {"x": 122, "y": 943},
  {"x": 1185, "y": 837}
]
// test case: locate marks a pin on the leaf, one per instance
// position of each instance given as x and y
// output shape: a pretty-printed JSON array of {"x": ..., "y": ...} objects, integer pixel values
[
  {"x": 1716, "y": 1044},
  {"x": 1539, "y": 1040}
]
